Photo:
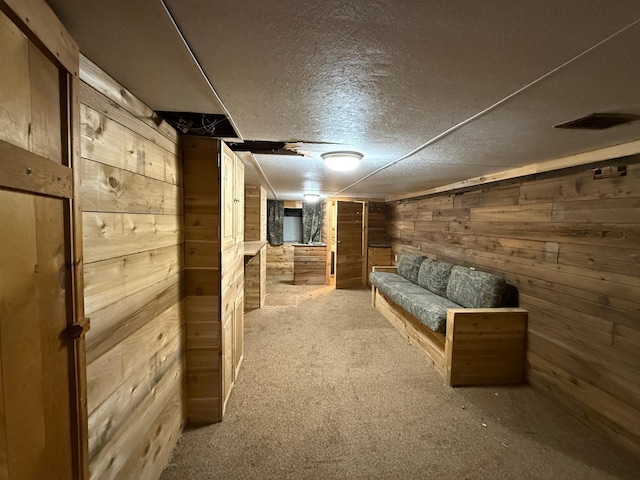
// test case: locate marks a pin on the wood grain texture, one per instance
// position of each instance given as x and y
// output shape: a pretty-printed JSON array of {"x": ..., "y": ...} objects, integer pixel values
[
  {"x": 255, "y": 278},
  {"x": 42, "y": 391},
  {"x": 47, "y": 30},
  {"x": 112, "y": 414},
  {"x": 309, "y": 265},
  {"x": 485, "y": 346},
  {"x": 131, "y": 183},
  {"x": 160, "y": 134},
  {"x": 213, "y": 278},
  {"x": 109, "y": 235},
  {"x": 44, "y": 135},
  {"x": 558, "y": 164},
  {"x": 26, "y": 171},
  {"x": 54, "y": 353},
  {"x": 20, "y": 340},
  {"x": 111, "y": 143},
  {"x": 15, "y": 93},
  {"x": 95, "y": 77},
  {"x": 110, "y": 281},
  {"x": 115, "y": 322},
  {"x": 255, "y": 213},
  {"x": 349, "y": 239},
  {"x": 280, "y": 262},
  {"x": 569, "y": 243},
  {"x": 110, "y": 189}
]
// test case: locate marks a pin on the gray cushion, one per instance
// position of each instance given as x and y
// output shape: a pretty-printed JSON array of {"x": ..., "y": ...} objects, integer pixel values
[
  {"x": 409, "y": 265},
  {"x": 384, "y": 280},
  {"x": 473, "y": 289},
  {"x": 428, "y": 308},
  {"x": 423, "y": 272},
  {"x": 438, "y": 277}
]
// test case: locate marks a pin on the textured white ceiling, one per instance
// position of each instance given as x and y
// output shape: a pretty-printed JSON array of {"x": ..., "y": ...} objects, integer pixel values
[{"x": 381, "y": 76}]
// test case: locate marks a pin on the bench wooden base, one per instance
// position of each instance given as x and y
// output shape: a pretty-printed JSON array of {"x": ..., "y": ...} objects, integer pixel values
[{"x": 483, "y": 346}]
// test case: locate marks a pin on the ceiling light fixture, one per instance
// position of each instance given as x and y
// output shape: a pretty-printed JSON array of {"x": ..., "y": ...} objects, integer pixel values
[
  {"x": 342, "y": 161},
  {"x": 311, "y": 197}
]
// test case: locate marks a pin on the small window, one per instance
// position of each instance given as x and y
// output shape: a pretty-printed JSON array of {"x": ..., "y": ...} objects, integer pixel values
[{"x": 292, "y": 225}]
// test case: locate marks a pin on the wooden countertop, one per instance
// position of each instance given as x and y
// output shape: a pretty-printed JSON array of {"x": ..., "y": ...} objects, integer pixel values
[{"x": 251, "y": 249}]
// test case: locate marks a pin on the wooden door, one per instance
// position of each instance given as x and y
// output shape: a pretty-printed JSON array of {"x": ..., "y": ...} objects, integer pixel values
[
  {"x": 349, "y": 256},
  {"x": 42, "y": 388},
  {"x": 227, "y": 358},
  {"x": 227, "y": 198},
  {"x": 239, "y": 200},
  {"x": 238, "y": 335}
]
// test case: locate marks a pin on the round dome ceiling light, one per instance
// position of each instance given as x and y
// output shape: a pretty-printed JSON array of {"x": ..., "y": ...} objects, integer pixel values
[
  {"x": 311, "y": 197},
  {"x": 342, "y": 161}
]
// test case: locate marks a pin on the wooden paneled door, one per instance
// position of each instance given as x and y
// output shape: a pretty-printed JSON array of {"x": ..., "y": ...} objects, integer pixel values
[
  {"x": 349, "y": 244},
  {"x": 42, "y": 395}
]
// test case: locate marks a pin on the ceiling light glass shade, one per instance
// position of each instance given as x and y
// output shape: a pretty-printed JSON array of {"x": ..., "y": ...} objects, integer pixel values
[
  {"x": 342, "y": 161},
  {"x": 311, "y": 197}
]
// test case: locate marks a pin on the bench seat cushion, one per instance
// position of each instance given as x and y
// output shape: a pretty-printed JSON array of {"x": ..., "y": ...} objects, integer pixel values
[
  {"x": 429, "y": 308},
  {"x": 473, "y": 289},
  {"x": 409, "y": 265}
]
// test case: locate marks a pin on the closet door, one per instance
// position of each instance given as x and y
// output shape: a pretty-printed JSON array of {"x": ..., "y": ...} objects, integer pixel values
[
  {"x": 239, "y": 200},
  {"x": 42, "y": 388},
  {"x": 349, "y": 241},
  {"x": 227, "y": 196}
]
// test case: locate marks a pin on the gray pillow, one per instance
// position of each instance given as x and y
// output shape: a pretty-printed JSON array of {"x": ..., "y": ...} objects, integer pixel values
[
  {"x": 423, "y": 273},
  {"x": 408, "y": 266},
  {"x": 473, "y": 289},
  {"x": 438, "y": 277}
]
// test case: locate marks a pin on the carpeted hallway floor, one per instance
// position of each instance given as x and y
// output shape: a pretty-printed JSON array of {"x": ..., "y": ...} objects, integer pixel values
[{"x": 330, "y": 390}]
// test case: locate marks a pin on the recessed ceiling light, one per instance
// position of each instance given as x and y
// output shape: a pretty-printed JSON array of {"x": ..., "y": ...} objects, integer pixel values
[
  {"x": 342, "y": 161},
  {"x": 311, "y": 197}
]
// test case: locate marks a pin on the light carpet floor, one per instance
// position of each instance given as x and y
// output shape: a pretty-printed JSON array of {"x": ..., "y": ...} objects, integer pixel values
[{"x": 330, "y": 390}]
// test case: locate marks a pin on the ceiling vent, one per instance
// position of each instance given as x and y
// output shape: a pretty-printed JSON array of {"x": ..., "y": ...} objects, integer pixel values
[{"x": 599, "y": 121}]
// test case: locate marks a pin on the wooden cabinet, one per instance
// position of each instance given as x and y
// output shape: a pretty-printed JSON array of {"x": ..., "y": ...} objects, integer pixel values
[
  {"x": 214, "y": 282},
  {"x": 378, "y": 255},
  {"x": 232, "y": 347},
  {"x": 238, "y": 335},
  {"x": 227, "y": 357},
  {"x": 238, "y": 200},
  {"x": 232, "y": 196}
]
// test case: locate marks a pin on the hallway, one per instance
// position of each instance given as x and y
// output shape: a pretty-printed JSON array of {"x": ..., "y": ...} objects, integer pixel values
[{"x": 329, "y": 389}]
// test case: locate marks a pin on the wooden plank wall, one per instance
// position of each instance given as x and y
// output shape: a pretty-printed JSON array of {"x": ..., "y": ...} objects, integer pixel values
[
  {"x": 255, "y": 280},
  {"x": 571, "y": 245},
  {"x": 280, "y": 263},
  {"x": 202, "y": 279},
  {"x": 255, "y": 213},
  {"x": 377, "y": 223},
  {"x": 133, "y": 252},
  {"x": 310, "y": 266}
]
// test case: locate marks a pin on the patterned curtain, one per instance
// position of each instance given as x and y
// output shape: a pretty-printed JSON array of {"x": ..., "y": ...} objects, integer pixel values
[
  {"x": 311, "y": 222},
  {"x": 275, "y": 222}
]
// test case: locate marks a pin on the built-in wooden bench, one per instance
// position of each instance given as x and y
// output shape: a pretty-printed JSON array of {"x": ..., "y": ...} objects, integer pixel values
[{"x": 482, "y": 346}]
